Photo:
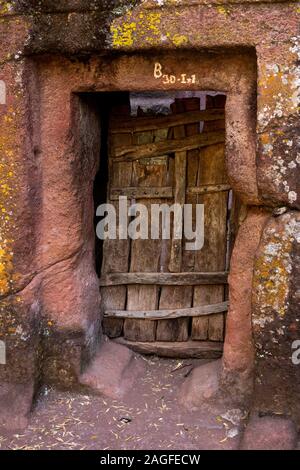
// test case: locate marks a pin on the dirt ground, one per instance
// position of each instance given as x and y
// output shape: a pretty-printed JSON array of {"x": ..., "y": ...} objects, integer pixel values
[{"x": 148, "y": 418}]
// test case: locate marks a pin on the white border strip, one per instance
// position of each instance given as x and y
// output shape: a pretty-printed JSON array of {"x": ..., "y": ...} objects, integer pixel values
[{"x": 2, "y": 92}]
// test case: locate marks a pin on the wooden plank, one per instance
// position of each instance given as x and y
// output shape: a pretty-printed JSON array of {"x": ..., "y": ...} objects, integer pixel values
[
  {"x": 145, "y": 254},
  {"x": 213, "y": 255},
  {"x": 179, "y": 198},
  {"x": 170, "y": 313},
  {"x": 163, "y": 192},
  {"x": 180, "y": 350},
  {"x": 208, "y": 188},
  {"x": 164, "y": 279},
  {"x": 142, "y": 193},
  {"x": 192, "y": 181},
  {"x": 116, "y": 252},
  {"x": 215, "y": 102},
  {"x": 136, "y": 152},
  {"x": 141, "y": 124},
  {"x": 177, "y": 297},
  {"x": 217, "y": 322}
]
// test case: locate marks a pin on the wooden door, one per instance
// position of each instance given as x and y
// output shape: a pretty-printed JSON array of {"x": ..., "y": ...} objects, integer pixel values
[{"x": 157, "y": 296}]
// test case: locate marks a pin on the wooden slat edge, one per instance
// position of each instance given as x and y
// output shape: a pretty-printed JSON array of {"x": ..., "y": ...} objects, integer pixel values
[
  {"x": 169, "y": 313},
  {"x": 180, "y": 350},
  {"x": 136, "y": 152},
  {"x": 164, "y": 279},
  {"x": 206, "y": 189},
  {"x": 142, "y": 193},
  {"x": 166, "y": 192},
  {"x": 141, "y": 124}
]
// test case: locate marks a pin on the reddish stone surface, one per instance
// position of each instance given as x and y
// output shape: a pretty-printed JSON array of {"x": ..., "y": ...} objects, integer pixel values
[
  {"x": 148, "y": 417},
  {"x": 113, "y": 371},
  {"x": 275, "y": 316},
  {"x": 201, "y": 385},
  {"x": 15, "y": 405},
  {"x": 269, "y": 433},
  {"x": 69, "y": 145},
  {"x": 20, "y": 375},
  {"x": 238, "y": 357}
]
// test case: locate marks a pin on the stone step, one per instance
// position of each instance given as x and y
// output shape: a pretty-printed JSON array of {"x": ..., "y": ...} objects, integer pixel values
[
  {"x": 15, "y": 405},
  {"x": 201, "y": 385},
  {"x": 113, "y": 371}
]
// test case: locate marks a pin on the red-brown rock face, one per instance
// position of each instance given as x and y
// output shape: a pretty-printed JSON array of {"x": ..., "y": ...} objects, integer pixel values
[{"x": 49, "y": 146}]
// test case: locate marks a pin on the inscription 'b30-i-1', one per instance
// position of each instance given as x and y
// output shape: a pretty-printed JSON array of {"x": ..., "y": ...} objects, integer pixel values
[{"x": 169, "y": 79}]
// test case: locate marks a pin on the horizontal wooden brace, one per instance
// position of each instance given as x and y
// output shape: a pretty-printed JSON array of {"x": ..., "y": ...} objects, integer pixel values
[
  {"x": 210, "y": 188},
  {"x": 170, "y": 313},
  {"x": 141, "y": 124},
  {"x": 136, "y": 152},
  {"x": 164, "y": 279},
  {"x": 166, "y": 192},
  {"x": 142, "y": 193},
  {"x": 180, "y": 350}
]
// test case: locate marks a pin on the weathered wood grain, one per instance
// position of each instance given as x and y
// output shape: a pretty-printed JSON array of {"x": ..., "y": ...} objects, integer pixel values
[
  {"x": 142, "y": 193},
  {"x": 164, "y": 279},
  {"x": 200, "y": 178},
  {"x": 179, "y": 198},
  {"x": 169, "y": 313},
  {"x": 213, "y": 255},
  {"x": 163, "y": 192},
  {"x": 145, "y": 254},
  {"x": 116, "y": 252},
  {"x": 180, "y": 350},
  {"x": 141, "y": 124},
  {"x": 136, "y": 152},
  {"x": 176, "y": 297},
  {"x": 208, "y": 188}
]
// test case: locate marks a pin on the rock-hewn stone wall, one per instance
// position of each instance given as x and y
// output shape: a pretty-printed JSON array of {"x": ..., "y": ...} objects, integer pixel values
[{"x": 263, "y": 159}]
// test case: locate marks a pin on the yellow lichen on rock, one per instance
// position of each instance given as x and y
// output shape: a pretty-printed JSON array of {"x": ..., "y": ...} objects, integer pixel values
[
  {"x": 273, "y": 269},
  {"x": 127, "y": 31},
  {"x": 271, "y": 279},
  {"x": 7, "y": 188},
  {"x": 223, "y": 10},
  {"x": 5, "y": 7},
  {"x": 123, "y": 35},
  {"x": 179, "y": 40},
  {"x": 145, "y": 28},
  {"x": 279, "y": 86}
]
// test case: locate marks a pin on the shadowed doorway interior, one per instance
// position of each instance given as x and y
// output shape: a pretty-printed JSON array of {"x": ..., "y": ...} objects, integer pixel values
[{"x": 166, "y": 148}]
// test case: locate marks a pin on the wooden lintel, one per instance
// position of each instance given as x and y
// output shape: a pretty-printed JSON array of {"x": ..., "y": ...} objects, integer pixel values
[
  {"x": 137, "y": 152},
  {"x": 180, "y": 350},
  {"x": 164, "y": 279},
  {"x": 170, "y": 313},
  {"x": 141, "y": 124}
]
